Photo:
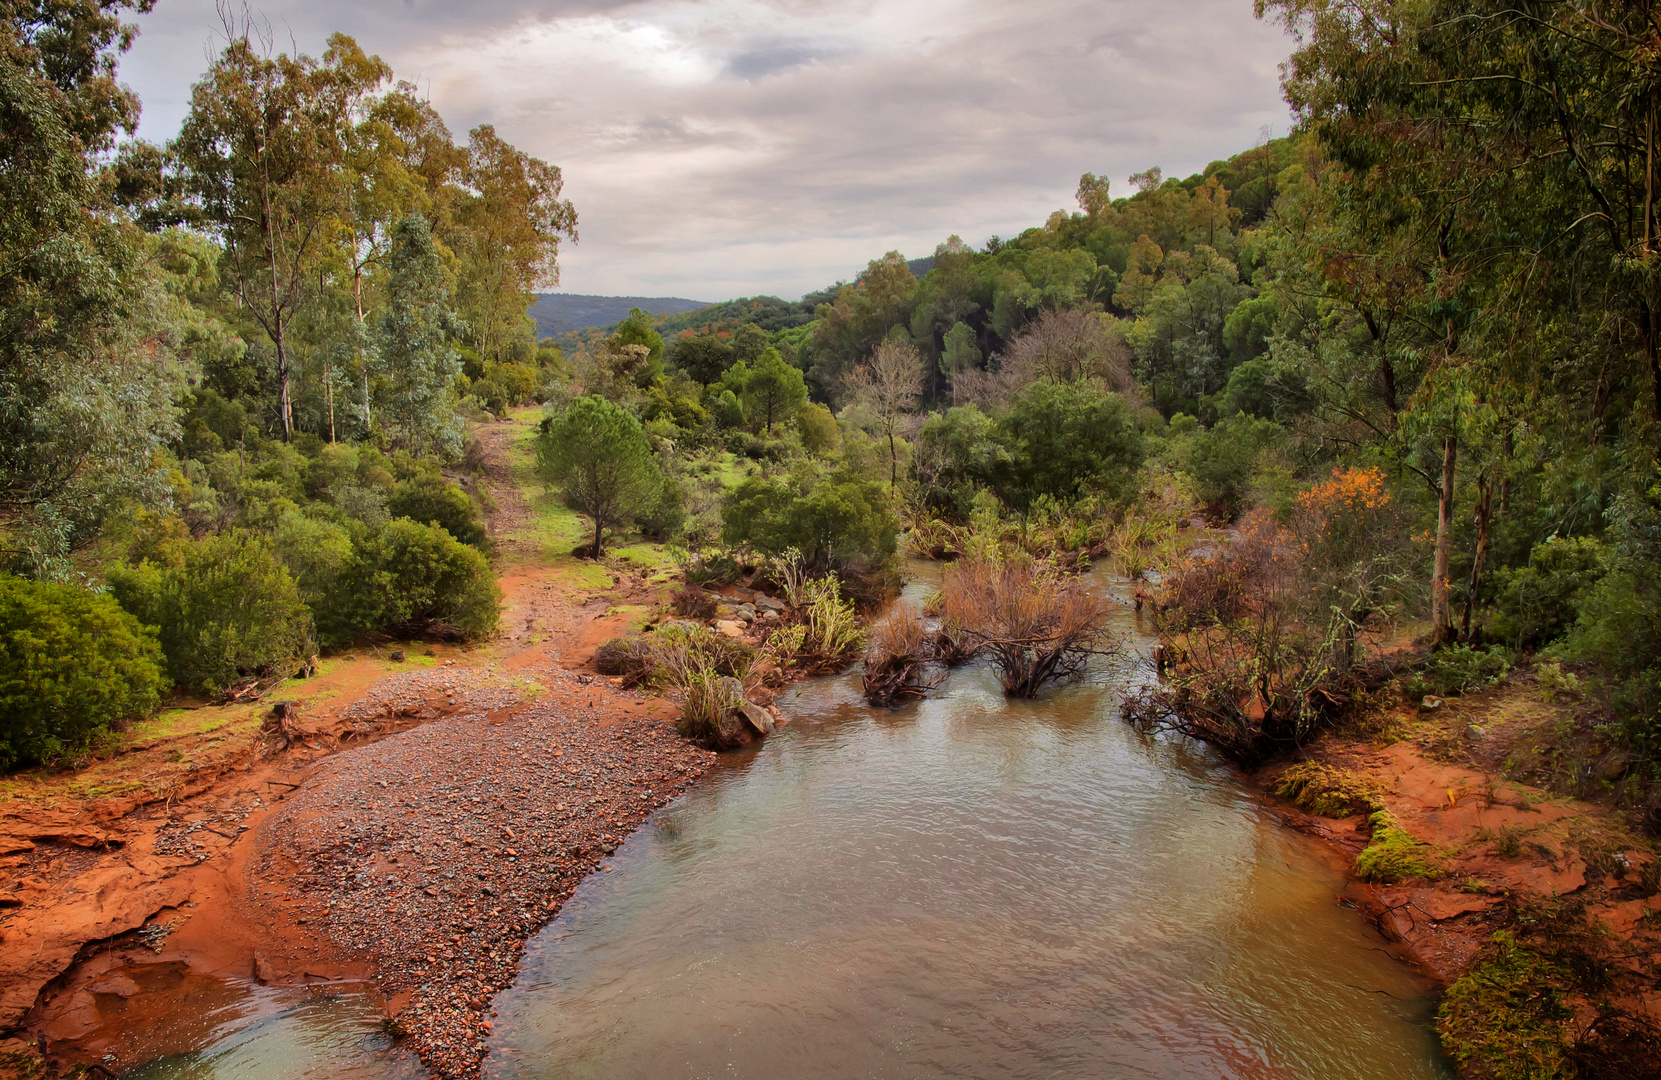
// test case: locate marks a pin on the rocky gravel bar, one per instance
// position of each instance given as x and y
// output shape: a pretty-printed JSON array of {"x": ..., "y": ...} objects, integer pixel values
[{"x": 432, "y": 855}]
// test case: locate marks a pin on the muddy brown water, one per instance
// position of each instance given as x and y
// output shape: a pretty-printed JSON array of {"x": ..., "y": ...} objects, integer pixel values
[{"x": 966, "y": 887}]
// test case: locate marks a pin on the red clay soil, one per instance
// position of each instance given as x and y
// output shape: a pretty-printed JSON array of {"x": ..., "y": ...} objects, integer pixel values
[
  {"x": 406, "y": 831},
  {"x": 1501, "y": 844}
]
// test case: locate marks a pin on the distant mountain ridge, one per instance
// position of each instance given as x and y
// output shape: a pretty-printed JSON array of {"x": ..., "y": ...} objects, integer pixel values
[
  {"x": 566, "y": 313},
  {"x": 557, "y": 314}
]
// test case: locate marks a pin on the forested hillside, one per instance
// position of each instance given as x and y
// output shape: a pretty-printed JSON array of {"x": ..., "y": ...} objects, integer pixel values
[{"x": 567, "y": 313}]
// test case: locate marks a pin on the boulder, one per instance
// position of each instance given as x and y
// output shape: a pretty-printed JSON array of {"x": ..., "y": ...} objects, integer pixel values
[
  {"x": 767, "y": 603},
  {"x": 756, "y": 717},
  {"x": 729, "y": 627}
]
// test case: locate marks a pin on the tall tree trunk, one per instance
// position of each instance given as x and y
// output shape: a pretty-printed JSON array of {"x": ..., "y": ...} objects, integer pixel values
[
  {"x": 1484, "y": 507},
  {"x": 285, "y": 403},
  {"x": 598, "y": 532},
  {"x": 893, "y": 463},
  {"x": 1441, "y": 617}
]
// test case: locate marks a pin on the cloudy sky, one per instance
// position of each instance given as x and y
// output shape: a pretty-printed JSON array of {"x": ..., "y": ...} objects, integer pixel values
[{"x": 719, "y": 148}]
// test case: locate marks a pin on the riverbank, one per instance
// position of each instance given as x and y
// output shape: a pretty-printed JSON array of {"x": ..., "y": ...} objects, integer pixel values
[
  {"x": 222, "y": 847},
  {"x": 1486, "y": 861}
]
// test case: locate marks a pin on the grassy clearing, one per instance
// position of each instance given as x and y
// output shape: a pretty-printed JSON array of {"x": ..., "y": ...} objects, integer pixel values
[{"x": 552, "y": 529}]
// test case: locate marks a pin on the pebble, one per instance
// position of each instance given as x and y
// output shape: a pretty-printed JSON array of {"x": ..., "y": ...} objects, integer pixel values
[{"x": 563, "y": 781}]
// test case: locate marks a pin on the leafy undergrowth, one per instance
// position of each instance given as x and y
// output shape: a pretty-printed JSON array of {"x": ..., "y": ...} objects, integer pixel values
[{"x": 1543, "y": 1002}]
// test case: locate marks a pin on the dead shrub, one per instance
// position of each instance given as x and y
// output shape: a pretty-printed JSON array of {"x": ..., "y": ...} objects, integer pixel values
[
  {"x": 897, "y": 660},
  {"x": 1033, "y": 623},
  {"x": 630, "y": 657},
  {"x": 694, "y": 603}
]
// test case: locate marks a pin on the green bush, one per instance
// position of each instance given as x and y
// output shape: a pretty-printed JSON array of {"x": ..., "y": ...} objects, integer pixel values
[
  {"x": 1065, "y": 441},
  {"x": 429, "y": 499},
  {"x": 957, "y": 451},
  {"x": 1459, "y": 668},
  {"x": 661, "y": 517},
  {"x": 1618, "y": 631},
  {"x": 1539, "y": 602},
  {"x": 819, "y": 432},
  {"x": 1224, "y": 460},
  {"x": 224, "y": 607},
  {"x": 409, "y": 580},
  {"x": 314, "y": 552},
  {"x": 71, "y": 664},
  {"x": 836, "y": 526}
]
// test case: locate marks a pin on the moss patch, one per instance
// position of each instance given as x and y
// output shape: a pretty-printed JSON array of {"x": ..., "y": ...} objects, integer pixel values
[
  {"x": 1393, "y": 854},
  {"x": 1505, "y": 1019},
  {"x": 1328, "y": 791}
]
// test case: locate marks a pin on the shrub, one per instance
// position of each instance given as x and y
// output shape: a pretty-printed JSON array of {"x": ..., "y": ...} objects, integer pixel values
[
  {"x": 1224, "y": 460},
  {"x": 430, "y": 499},
  {"x": 1539, "y": 602},
  {"x": 314, "y": 552},
  {"x": 956, "y": 451},
  {"x": 709, "y": 704},
  {"x": 629, "y": 658},
  {"x": 225, "y": 608},
  {"x": 1031, "y": 623},
  {"x": 1260, "y": 649},
  {"x": 72, "y": 663},
  {"x": 835, "y": 526},
  {"x": 833, "y": 634},
  {"x": 817, "y": 425},
  {"x": 694, "y": 603},
  {"x": 1459, "y": 668},
  {"x": 1065, "y": 441},
  {"x": 412, "y": 579},
  {"x": 662, "y": 516},
  {"x": 897, "y": 658}
]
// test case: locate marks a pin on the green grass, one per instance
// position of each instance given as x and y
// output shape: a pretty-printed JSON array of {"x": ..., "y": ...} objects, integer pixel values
[{"x": 553, "y": 529}]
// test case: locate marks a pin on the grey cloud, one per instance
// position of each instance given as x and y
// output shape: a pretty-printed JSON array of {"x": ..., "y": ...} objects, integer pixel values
[
  {"x": 774, "y": 57},
  {"x": 724, "y": 147}
]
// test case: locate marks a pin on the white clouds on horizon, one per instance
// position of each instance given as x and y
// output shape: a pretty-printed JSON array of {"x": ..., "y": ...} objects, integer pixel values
[{"x": 717, "y": 148}]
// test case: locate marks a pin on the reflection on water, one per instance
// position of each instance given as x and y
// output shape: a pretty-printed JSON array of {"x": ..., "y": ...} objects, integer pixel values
[
  {"x": 258, "y": 1033},
  {"x": 966, "y": 887}
]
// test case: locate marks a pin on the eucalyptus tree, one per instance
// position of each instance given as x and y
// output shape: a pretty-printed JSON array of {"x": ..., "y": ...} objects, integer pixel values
[
  {"x": 418, "y": 358},
  {"x": 261, "y": 154},
  {"x": 507, "y": 227},
  {"x": 85, "y": 364}
]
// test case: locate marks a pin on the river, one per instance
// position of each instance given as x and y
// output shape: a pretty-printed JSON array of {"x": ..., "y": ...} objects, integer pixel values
[{"x": 965, "y": 887}]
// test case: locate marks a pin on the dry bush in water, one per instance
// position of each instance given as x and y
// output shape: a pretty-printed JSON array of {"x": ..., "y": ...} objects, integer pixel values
[
  {"x": 897, "y": 660},
  {"x": 1032, "y": 623},
  {"x": 1272, "y": 637}
]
